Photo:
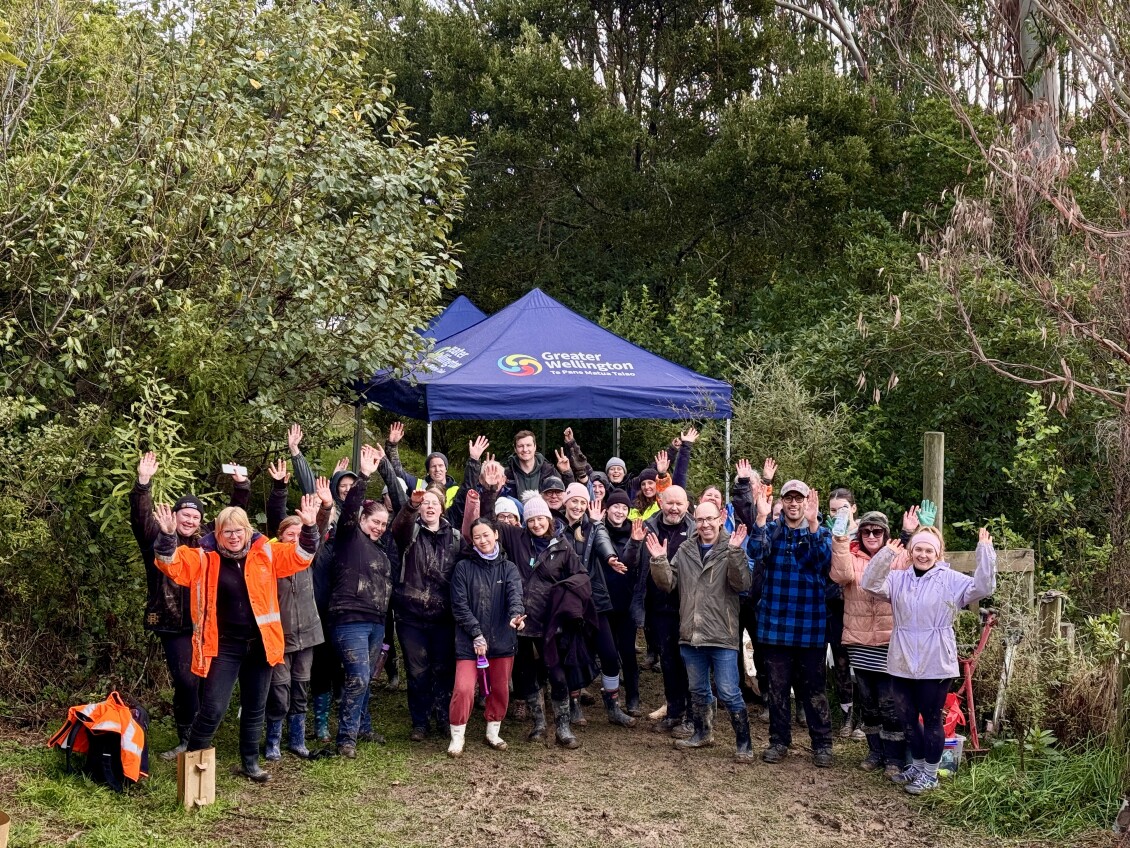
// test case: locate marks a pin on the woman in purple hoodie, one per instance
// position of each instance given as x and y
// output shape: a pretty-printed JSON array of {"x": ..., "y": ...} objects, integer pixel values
[{"x": 922, "y": 658}]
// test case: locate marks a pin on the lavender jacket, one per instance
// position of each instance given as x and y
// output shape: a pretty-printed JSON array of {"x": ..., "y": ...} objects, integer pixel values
[{"x": 923, "y": 646}]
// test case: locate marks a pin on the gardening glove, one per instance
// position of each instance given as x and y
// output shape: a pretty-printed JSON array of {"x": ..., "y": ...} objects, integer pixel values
[{"x": 927, "y": 512}]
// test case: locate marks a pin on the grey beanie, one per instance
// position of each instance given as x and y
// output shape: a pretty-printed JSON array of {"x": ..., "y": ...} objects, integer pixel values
[{"x": 614, "y": 461}]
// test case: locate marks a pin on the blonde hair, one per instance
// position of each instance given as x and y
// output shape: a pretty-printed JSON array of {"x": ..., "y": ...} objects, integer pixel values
[
  {"x": 286, "y": 524},
  {"x": 934, "y": 531},
  {"x": 234, "y": 516}
]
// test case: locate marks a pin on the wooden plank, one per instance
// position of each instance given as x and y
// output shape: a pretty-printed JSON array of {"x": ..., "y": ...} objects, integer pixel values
[
  {"x": 1016, "y": 561},
  {"x": 1050, "y": 616}
]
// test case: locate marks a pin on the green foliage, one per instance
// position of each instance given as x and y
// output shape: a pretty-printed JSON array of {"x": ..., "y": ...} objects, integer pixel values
[{"x": 1058, "y": 794}]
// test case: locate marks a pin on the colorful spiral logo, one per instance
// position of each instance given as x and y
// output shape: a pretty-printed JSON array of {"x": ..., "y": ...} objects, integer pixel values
[{"x": 519, "y": 365}]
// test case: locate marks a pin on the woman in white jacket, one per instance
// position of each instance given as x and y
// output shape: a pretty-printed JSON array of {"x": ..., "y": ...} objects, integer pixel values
[{"x": 922, "y": 658}]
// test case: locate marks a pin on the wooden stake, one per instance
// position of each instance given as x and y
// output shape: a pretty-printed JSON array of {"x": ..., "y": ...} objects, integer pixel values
[{"x": 934, "y": 470}]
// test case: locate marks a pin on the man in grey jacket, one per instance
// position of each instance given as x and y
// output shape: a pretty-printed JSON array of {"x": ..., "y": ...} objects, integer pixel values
[{"x": 710, "y": 571}]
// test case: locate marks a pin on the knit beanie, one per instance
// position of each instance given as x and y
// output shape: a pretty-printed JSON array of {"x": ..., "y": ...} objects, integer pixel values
[
  {"x": 576, "y": 490},
  {"x": 617, "y": 496},
  {"x": 189, "y": 502},
  {"x": 648, "y": 474},
  {"x": 536, "y": 507},
  {"x": 875, "y": 519},
  {"x": 614, "y": 461},
  {"x": 433, "y": 455},
  {"x": 505, "y": 505}
]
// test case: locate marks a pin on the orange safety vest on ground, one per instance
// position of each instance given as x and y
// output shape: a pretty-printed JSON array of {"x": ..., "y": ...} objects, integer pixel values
[
  {"x": 109, "y": 716},
  {"x": 200, "y": 571}
]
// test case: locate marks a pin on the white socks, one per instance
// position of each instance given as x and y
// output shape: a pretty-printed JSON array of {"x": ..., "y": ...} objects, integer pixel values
[{"x": 458, "y": 732}]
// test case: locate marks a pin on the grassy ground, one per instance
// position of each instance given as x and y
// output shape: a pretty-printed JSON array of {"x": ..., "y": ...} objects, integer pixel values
[{"x": 624, "y": 787}]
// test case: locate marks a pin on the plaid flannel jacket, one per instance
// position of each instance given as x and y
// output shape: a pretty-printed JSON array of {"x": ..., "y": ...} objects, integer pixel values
[{"x": 791, "y": 567}]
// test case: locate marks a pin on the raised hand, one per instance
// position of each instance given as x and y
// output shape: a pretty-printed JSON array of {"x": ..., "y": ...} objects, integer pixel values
[
  {"x": 415, "y": 499},
  {"x": 927, "y": 512},
  {"x": 894, "y": 545},
  {"x": 277, "y": 470},
  {"x": 147, "y": 467},
  {"x": 655, "y": 547},
  {"x": 812, "y": 507},
  {"x": 308, "y": 510},
  {"x": 294, "y": 439},
  {"x": 562, "y": 460},
  {"x": 596, "y": 514},
  {"x": 984, "y": 537},
  {"x": 662, "y": 463},
  {"x": 768, "y": 468},
  {"x": 492, "y": 475},
  {"x": 165, "y": 518},
  {"x": 639, "y": 532},
  {"x": 617, "y": 566},
  {"x": 569, "y": 435},
  {"x": 322, "y": 490},
  {"x": 738, "y": 537},
  {"x": 764, "y": 504},
  {"x": 910, "y": 521},
  {"x": 342, "y": 465},
  {"x": 238, "y": 476},
  {"x": 689, "y": 435},
  {"x": 744, "y": 469},
  {"x": 472, "y": 496},
  {"x": 395, "y": 433},
  {"x": 369, "y": 460},
  {"x": 475, "y": 449}
]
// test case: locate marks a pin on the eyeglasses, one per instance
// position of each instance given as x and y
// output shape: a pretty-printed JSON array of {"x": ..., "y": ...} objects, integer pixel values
[
  {"x": 231, "y": 534},
  {"x": 791, "y": 498},
  {"x": 706, "y": 520},
  {"x": 871, "y": 531}
]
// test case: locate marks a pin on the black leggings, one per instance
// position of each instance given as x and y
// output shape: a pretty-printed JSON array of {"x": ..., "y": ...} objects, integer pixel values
[
  {"x": 926, "y": 698},
  {"x": 606, "y": 647},
  {"x": 531, "y": 673},
  {"x": 624, "y": 632}
]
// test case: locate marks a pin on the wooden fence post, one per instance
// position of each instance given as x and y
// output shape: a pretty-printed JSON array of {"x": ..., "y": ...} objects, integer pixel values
[
  {"x": 1050, "y": 617},
  {"x": 1122, "y": 676},
  {"x": 933, "y": 471}
]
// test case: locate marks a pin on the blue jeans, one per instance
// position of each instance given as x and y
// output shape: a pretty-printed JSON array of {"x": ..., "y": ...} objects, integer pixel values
[
  {"x": 724, "y": 663},
  {"x": 359, "y": 644}
]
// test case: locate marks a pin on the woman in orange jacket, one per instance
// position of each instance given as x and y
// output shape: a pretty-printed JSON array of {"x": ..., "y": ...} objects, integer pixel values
[{"x": 237, "y": 630}]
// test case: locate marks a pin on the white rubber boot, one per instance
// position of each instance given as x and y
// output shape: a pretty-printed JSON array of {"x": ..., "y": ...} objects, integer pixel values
[
  {"x": 458, "y": 731},
  {"x": 493, "y": 739}
]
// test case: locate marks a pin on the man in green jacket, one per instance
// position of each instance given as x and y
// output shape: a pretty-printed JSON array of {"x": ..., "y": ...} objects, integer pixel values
[{"x": 710, "y": 571}]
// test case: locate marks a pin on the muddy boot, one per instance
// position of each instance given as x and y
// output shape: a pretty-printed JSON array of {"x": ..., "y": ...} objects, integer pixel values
[
  {"x": 322, "y": 717},
  {"x": 457, "y": 732},
  {"x": 249, "y": 768},
  {"x": 565, "y": 737},
  {"x": 632, "y": 707},
  {"x": 296, "y": 736},
  {"x": 274, "y": 741},
  {"x": 894, "y": 754},
  {"x": 703, "y": 735},
  {"x": 537, "y": 711},
  {"x": 740, "y": 722},
  {"x": 612, "y": 707},
  {"x": 576, "y": 714},
  {"x": 874, "y": 759}
]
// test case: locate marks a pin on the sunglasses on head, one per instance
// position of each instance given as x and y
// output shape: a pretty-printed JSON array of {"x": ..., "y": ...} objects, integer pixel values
[{"x": 871, "y": 531}]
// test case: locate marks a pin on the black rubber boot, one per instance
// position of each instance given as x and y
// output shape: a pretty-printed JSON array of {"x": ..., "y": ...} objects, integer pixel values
[
  {"x": 740, "y": 722},
  {"x": 612, "y": 707},
  {"x": 565, "y": 737},
  {"x": 537, "y": 712},
  {"x": 874, "y": 759},
  {"x": 703, "y": 735},
  {"x": 576, "y": 714},
  {"x": 249, "y": 768}
]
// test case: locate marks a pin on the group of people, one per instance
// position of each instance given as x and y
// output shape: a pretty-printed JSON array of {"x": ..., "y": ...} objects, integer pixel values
[{"x": 532, "y": 574}]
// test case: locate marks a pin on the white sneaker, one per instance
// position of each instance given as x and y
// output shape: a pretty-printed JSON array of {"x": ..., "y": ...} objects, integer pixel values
[
  {"x": 906, "y": 776},
  {"x": 458, "y": 731},
  {"x": 493, "y": 739}
]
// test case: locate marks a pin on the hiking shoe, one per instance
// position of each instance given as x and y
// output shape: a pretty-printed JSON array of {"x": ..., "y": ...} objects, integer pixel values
[
  {"x": 822, "y": 758},
  {"x": 922, "y": 783},
  {"x": 171, "y": 755},
  {"x": 907, "y": 775},
  {"x": 418, "y": 734},
  {"x": 845, "y": 731},
  {"x": 774, "y": 754},
  {"x": 347, "y": 751},
  {"x": 891, "y": 771}
]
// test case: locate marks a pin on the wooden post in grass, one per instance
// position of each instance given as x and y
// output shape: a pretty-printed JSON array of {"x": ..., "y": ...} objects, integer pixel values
[
  {"x": 1122, "y": 676},
  {"x": 1050, "y": 616},
  {"x": 934, "y": 470}
]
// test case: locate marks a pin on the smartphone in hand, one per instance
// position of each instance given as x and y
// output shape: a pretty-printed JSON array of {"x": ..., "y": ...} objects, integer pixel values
[{"x": 234, "y": 469}]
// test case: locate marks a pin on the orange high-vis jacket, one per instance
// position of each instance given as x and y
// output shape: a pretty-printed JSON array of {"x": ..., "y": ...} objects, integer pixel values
[
  {"x": 109, "y": 716},
  {"x": 200, "y": 571}
]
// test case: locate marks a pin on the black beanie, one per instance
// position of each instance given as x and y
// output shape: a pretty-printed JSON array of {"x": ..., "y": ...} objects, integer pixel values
[
  {"x": 189, "y": 502},
  {"x": 616, "y": 496}
]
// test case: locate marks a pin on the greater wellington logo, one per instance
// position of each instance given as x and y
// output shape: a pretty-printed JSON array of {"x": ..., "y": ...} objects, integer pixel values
[{"x": 519, "y": 365}]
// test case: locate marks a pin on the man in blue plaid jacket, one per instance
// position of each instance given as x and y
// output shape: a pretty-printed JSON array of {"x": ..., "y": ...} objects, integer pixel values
[{"x": 791, "y": 558}]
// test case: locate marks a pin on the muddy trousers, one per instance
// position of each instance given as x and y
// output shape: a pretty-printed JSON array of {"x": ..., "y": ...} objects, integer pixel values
[
  {"x": 531, "y": 673},
  {"x": 926, "y": 698},
  {"x": 801, "y": 669},
  {"x": 875, "y": 701},
  {"x": 429, "y": 659},
  {"x": 841, "y": 663},
  {"x": 463, "y": 698},
  {"x": 290, "y": 685},
  {"x": 238, "y": 659},
  {"x": 186, "y": 685},
  {"x": 359, "y": 645}
]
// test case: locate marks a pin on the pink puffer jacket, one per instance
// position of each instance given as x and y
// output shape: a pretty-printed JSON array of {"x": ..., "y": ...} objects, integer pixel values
[{"x": 868, "y": 620}]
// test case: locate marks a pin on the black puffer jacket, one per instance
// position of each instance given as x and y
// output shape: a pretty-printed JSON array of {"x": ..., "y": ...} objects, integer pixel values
[
  {"x": 485, "y": 595},
  {"x": 595, "y": 549},
  {"x": 539, "y": 570},
  {"x": 622, "y": 587},
  {"x": 360, "y": 574},
  {"x": 167, "y": 607},
  {"x": 422, "y": 590}
]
